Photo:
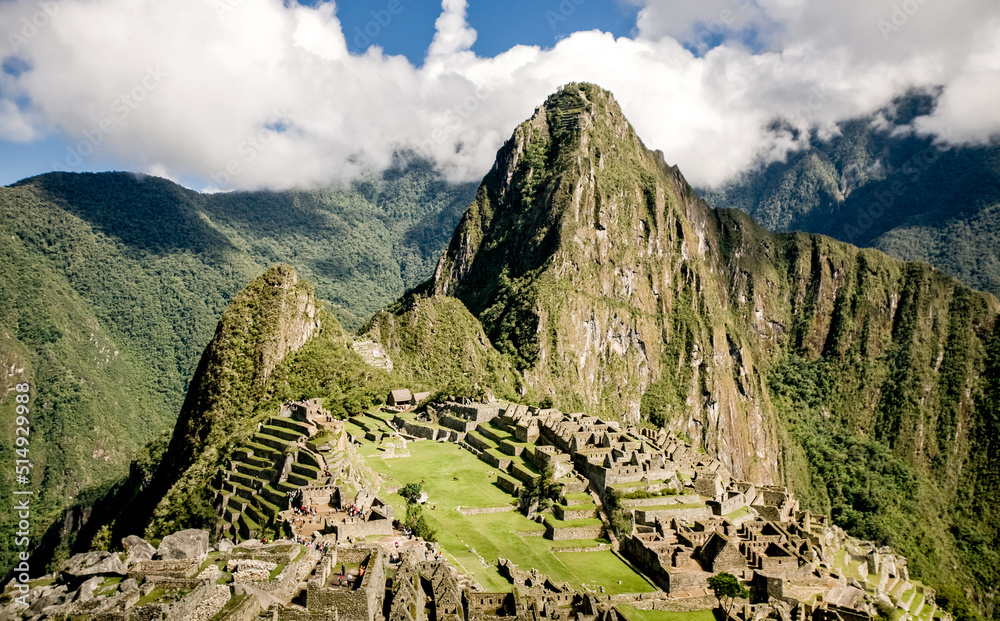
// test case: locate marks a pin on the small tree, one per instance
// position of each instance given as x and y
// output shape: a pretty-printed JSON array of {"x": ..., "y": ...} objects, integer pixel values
[
  {"x": 542, "y": 488},
  {"x": 619, "y": 516},
  {"x": 411, "y": 492},
  {"x": 727, "y": 587},
  {"x": 416, "y": 522}
]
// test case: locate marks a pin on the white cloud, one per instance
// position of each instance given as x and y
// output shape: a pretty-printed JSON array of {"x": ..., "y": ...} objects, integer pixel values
[{"x": 252, "y": 93}]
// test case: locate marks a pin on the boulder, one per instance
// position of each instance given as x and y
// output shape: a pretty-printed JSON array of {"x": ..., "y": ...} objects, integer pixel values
[
  {"x": 86, "y": 590},
  {"x": 128, "y": 585},
  {"x": 94, "y": 563},
  {"x": 138, "y": 550},
  {"x": 51, "y": 596},
  {"x": 185, "y": 544},
  {"x": 225, "y": 545},
  {"x": 532, "y": 509}
]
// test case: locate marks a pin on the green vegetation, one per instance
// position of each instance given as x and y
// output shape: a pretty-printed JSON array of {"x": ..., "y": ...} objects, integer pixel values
[
  {"x": 245, "y": 374},
  {"x": 641, "y": 493},
  {"x": 543, "y": 490},
  {"x": 727, "y": 589},
  {"x": 604, "y": 569},
  {"x": 322, "y": 438},
  {"x": 896, "y": 191},
  {"x": 411, "y": 492},
  {"x": 230, "y": 606},
  {"x": 464, "y": 538},
  {"x": 155, "y": 595},
  {"x": 620, "y": 516},
  {"x": 280, "y": 567},
  {"x": 417, "y": 523},
  {"x": 867, "y": 489},
  {"x": 112, "y": 284},
  {"x": 436, "y": 339},
  {"x": 864, "y": 382}
]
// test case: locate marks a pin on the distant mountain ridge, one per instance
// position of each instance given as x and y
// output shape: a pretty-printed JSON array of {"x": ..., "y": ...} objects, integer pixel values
[
  {"x": 876, "y": 184},
  {"x": 112, "y": 284}
]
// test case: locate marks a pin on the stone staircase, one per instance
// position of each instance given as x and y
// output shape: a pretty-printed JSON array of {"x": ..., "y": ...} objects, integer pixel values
[{"x": 255, "y": 489}]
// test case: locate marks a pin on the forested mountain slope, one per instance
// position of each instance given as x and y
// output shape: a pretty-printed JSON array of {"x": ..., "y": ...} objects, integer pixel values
[
  {"x": 112, "y": 284},
  {"x": 876, "y": 184}
]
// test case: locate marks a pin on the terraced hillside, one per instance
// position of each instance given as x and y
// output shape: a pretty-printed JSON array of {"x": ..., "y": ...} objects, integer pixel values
[{"x": 264, "y": 471}]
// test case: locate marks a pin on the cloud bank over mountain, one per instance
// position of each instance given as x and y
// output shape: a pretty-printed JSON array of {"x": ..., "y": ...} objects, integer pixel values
[{"x": 263, "y": 93}]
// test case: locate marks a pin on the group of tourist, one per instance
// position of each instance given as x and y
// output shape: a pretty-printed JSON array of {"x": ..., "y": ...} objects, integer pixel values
[
  {"x": 308, "y": 510},
  {"x": 353, "y": 511}
]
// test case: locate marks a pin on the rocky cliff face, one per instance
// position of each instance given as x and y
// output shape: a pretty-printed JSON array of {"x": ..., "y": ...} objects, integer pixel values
[
  {"x": 616, "y": 290},
  {"x": 593, "y": 263},
  {"x": 865, "y": 383}
]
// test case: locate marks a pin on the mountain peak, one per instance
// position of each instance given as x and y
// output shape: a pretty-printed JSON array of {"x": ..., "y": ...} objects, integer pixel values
[
  {"x": 547, "y": 169},
  {"x": 592, "y": 264}
]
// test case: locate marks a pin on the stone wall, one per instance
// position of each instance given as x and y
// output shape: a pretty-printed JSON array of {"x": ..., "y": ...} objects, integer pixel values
[
  {"x": 287, "y": 614},
  {"x": 477, "y": 412},
  {"x": 687, "y": 581},
  {"x": 656, "y": 601},
  {"x": 511, "y": 449},
  {"x": 344, "y": 554},
  {"x": 647, "y": 560},
  {"x": 579, "y": 532},
  {"x": 201, "y": 604},
  {"x": 250, "y": 570},
  {"x": 317, "y": 494},
  {"x": 728, "y": 505},
  {"x": 186, "y": 584},
  {"x": 486, "y": 510},
  {"x": 623, "y": 474},
  {"x": 659, "y": 501},
  {"x": 496, "y": 462},
  {"x": 172, "y": 569},
  {"x": 508, "y": 485},
  {"x": 571, "y": 513},
  {"x": 542, "y": 459},
  {"x": 645, "y": 516},
  {"x": 486, "y": 605},
  {"x": 415, "y": 430},
  {"x": 362, "y": 603},
  {"x": 354, "y": 527},
  {"x": 280, "y": 555},
  {"x": 452, "y": 436},
  {"x": 247, "y": 610},
  {"x": 292, "y": 574},
  {"x": 457, "y": 424},
  {"x": 522, "y": 474},
  {"x": 488, "y": 433},
  {"x": 477, "y": 443}
]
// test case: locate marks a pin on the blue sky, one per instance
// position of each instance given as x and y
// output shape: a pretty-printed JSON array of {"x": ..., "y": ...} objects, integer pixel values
[
  {"x": 500, "y": 26},
  {"x": 242, "y": 94}
]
